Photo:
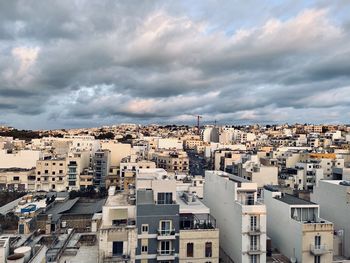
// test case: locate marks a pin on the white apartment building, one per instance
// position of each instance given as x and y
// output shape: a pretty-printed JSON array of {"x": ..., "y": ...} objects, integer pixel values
[
  {"x": 258, "y": 173},
  {"x": 169, "y": 144},
  {"x": 312, "y": 173},
  {"x": 296, "y": 228},
  {"x": 118, "y": 233},
  {"x": 333, "y": 196},
  {"x": 239, "y": 216}
]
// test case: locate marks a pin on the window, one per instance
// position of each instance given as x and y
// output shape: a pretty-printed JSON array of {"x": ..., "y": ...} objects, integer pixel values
[
  {"x": 39, "y": 172},
  {"x": 46, "y": 171},
  {"x": 144, "y": 228},
  {"x": 144, "y": 249},
  {"x": 208, "y": 249},
  {"x": 165, "y": 227},
  {"x": 165, "y": 248},
  {"x": 317, "y": 241},
  {"x": 165, "y": 198},
  {"x": 190, "y": 250},
  {"x": 117, "y": 248},
  {"x": 16, "y": 178},
  {"x": 317, "y": 259},
  {"x": 254, "y": 259},
  {"x": 53, "y": 173},
  {"x": 254, "y": 243},
  {"x": 253, "y": 223}
]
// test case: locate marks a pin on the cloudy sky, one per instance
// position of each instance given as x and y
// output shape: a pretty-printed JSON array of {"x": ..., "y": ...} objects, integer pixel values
[{"x": 66, "y": 63}]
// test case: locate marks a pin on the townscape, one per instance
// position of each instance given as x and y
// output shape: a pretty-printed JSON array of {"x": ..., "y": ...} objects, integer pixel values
[{"x": 176, "y": 193}]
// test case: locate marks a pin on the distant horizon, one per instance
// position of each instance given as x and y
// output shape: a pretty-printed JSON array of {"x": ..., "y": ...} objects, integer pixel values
[{"x": 179, "y": 125}]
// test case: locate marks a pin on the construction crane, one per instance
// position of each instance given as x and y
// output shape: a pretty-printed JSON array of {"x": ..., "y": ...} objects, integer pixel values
[{"x": 198, "y": 126}]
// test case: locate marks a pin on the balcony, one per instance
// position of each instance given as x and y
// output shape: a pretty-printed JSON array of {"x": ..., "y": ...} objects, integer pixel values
[
  {"x": 166, "y": 234},
  {"x": 318, "y": 250},
  {"x": 253, "y": 231},
  {"x": 110, "y": 258},
  {"x": 166, "y": 254},
  {"x": 254, "y": 250}
]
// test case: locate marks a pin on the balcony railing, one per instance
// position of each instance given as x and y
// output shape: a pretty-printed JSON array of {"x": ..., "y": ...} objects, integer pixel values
[
  {"x": 254, "y": 250},
  {"x": 110, "y": 258},
  {"x": 318, "y": 250},
  {"x": 167, "y": 252},
  {"x": 166, "y": 232},
  {"x": 254, "y": 230}
]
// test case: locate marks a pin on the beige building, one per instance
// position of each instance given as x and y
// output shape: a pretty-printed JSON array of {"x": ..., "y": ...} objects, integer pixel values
[
  {"x": 51, "y": 174},
  {"x": 129, "y": 167},
  {"x": 19, "y": 159},
  {"x": 199, "y": 236},
  {"x": 17, "y": 179},
  {"x": 192, "y": 143},
  {"x": 172, "y": 161},
  {"x": 118, "y": 151}
]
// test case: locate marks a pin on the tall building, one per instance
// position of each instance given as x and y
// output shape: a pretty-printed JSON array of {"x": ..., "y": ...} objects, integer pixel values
[
  {"x": 157, "y": 217},
  {"x": 101, "y": 165},
  {"x": 239, "y": 216},
  {"x": 296, "y": 228}
]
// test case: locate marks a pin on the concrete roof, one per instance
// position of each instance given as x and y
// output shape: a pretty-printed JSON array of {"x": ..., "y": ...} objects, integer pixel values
[
  {"x": 195, "y": 207},
  {"x": 292, "y": 200}
]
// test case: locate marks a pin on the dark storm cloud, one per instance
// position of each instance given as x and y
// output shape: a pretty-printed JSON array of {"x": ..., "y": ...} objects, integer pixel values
[{"x": 83, "y": 62}]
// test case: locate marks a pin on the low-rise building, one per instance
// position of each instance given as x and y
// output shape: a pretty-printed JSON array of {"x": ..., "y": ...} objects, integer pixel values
[{"x": 296, "y": 228}]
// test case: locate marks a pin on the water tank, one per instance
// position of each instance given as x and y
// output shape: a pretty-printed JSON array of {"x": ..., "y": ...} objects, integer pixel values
[
  {"x": 15, "y": 258},
  {"x": 26, "y": 251}
]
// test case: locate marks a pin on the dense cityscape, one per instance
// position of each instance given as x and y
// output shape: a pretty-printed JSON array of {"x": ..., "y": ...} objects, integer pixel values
[
  {"x": 162, "y": 131},
  {"x": 151, "y": 193}
]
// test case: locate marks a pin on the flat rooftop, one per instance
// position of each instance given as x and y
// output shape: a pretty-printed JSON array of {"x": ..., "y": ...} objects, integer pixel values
[
  {"x": 118, "y": 199},
  {"x": 292, "y": 200},
  {"x": 231, "y": 177},
  {"x": 194, "y": 207}
]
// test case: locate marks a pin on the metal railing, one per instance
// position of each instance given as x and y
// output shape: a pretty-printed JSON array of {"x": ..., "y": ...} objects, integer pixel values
[
  {"x": 166, "y": 232},
  {"x": 166, "y": 252}
]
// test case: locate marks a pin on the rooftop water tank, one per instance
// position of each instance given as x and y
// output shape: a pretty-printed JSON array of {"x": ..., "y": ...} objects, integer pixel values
[{"x": 26, "y": 251}]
